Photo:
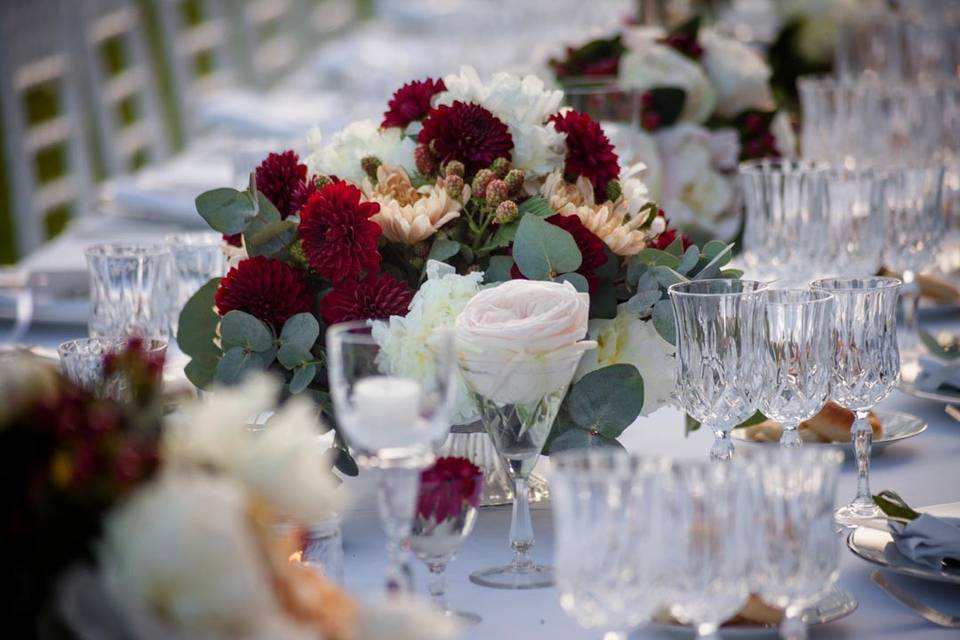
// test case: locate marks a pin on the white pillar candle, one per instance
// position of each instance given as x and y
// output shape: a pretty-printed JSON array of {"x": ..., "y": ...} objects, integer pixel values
[{"x": 387, "y": 412}]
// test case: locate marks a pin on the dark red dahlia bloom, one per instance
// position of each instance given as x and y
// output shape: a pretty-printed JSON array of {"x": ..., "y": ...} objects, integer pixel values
[
  {"x": 685, "y": 43},
  {"x": 282, "y": 179},
  {"x": 268, "y": 289},
  {"x": 591, "y": 249},
  {"x": 376, "y": 297},
  {"x": 468, "y": 133},
  {"x": 589, "y": 152},
  {"x": 446, "y": 485},
  {"x": 411, "y": 102},
  {"x": 339, "y": 239},
  {"x": 234, "y": 239},
  {"x": 667, "y": 238}
]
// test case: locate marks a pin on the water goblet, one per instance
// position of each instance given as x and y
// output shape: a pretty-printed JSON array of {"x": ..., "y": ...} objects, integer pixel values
[
  {"x": 797, "y": 357},
  {"x": 707, "y": 513},
  {"x": 856, "y": 219},
  {"x": 197, "y": 257},
  {"x": 916, "y": 224},
  {"x": 797, "y": 550},
  {"x": 391, "y": 423},
  {"x": 129, "y": 290},
  {"x": 866, "y": 367},
  {"x": 718, "y": 350},
  {"x": 609, "y": 531},
  {"x": 447, "y": 503},
  {"x": 83, "y": 363}
]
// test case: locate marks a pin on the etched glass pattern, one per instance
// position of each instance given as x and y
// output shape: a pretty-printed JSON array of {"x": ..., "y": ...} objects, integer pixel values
[
  {"x": 857, "y": 221},
  {"x": 82, "y": 362},
  {"x": 197, "y": 257},
  {"x": 131, "y": 290}
]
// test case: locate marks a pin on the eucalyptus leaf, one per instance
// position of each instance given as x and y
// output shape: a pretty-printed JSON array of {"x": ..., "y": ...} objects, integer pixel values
[
  {"x": 269, "y": 239},
  {"x": 689, "y": 260},
  {"x": 202, "y": 369},
  {"x": 502, "y": 237},
  {"x": 603, "y": 302},
  {"x": 690, "y": 424},
  {"x": 443, "y": 249},
  {"x": 607, "y": 400},
  {"x": 946, "y": 349},
  {"x": 675, "y": 248},
  {"x": 302, "y": 377},
  {"x": 344, "y": 463},
  {"x": 498, "y": 270},
  {"x": 198, "y": 323},
  {"x": 732, "y": 274},
  {"x": 635, "y": 269},
  {"x": 666, "y": 276},
  {"x": 292, "y": 355},
  {"x": 536, "y": 206},
  {"x": 580, "y": 439},
  {"x": 578, "y": 281},
  {"x": 239, "y": 328},
  {"x": 226, "y": 210},
  {"x": 542, "y": 250},
  {"x": 611, "y": 267},
  {"x": 663, "y": 321},
  {"x": 643, "y": 301},
  {"x": 712, "y": 268},
  {"x": 301, "y": 330},
  {"x": 236, "y": 363},
  {"x": 655, "y": 257},
  {"x": 713, "y": 248}
]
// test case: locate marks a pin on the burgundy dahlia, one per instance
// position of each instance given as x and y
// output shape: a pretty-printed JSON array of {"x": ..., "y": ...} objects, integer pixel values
[
  {"x": 411, "y": 102},
  {"x": 268, "y": 289},
  {"x": 668, "y": 236},
  {"x": 446, "y": 485},
  {"x": 283, "y": 180},
  {"x": 589, "y": 152},
  {"x": 376, "y": 297},
  {"x": 591, "y": 248},
  {"x": 338, "y": 236},
  {"x": 468, "y": 133}
]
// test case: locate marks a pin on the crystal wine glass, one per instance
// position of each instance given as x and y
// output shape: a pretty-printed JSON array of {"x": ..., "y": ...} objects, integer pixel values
[
  {"x": 517, "y": 407},
  {"x": 606, "y": 513},
  {"x": 83, "y": 362},
  {"x": 867, "y": 367},
  {"x": 197, "y": 257},
  {"x": 916, "y": 225},
  {"x": 718, "y": 350},
  {"x": 797, "y": 357},
  {"x": 449, "y": 494},
  {"x": 708, "y": 517},
  {"x": 391, "y": 423},
  {"x": 857, "y": 220},
  {"x": 797, "y": 551}
]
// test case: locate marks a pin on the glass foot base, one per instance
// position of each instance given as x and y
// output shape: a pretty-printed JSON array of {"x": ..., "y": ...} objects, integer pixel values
[
  {"x": 856, "y": 512},
  {"x": 509, "y": 577},
  {"x": 463, "y": 617}
]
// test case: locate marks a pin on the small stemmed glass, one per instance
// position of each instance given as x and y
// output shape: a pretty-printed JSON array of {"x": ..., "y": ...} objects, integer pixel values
[
  {"x": 718, "y": 352},
  {"x": 797, "y": 357},
  {"x": 867, "y": 367},
  {"x": 392, "y": 425}
]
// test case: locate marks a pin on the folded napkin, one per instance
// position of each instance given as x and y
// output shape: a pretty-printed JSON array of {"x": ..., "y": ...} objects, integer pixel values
[
  {"x": 938, "y": 375},
  {"x": 928, "y": 540}
]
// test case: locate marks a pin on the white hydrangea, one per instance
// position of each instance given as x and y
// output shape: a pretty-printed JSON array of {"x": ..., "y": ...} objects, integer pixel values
[
  {"x": 404, "y": 341},
  {"x": 523, "y": 104},
  {"x": 650, "y": 65},
  {"x": 342, "y": 155},
  {"x": 740, "y": 76},
  {"x": 626, "y": 339}
]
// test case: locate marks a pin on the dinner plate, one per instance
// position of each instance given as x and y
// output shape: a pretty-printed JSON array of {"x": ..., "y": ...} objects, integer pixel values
[
  {"x": 835, "y": 604},
  {"x": 896, "y": 427},
  {"x": 877, "y": 547}
]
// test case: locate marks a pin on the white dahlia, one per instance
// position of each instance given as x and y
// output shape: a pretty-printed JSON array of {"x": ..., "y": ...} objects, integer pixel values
[{"x": 341, "y": 157}]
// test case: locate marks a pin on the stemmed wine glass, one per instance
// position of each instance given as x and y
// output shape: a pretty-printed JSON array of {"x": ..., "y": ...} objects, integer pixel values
[
  {"x": 608, "y": 522},
  {"x": 718, "y": 351},
  {"x": 797, "y": 552},
  {"x": 867, "y": 366},
  {"x": 392, "y": 424},
  {"x": 708, "y": 516},
  {"x": 449, "y": 494},
  {"x": 797, "y": 357}
]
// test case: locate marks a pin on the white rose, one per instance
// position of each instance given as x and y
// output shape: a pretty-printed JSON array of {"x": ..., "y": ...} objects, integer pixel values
[
  {"x": 648, "y": 153},
  {"x": 626, "y": 339},
  {"x": 695, "y": 195},
  {"x": 653, "y": 65},
  {"x": 521, "y": 340},
  {"x": 783, "y": 135},
  {"x": 740, "y": 76},
  {"x": 342, "y": 156}
]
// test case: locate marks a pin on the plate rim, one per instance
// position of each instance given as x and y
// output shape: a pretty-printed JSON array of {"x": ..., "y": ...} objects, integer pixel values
[
  {"x": 911, "y": 390},
  {"x": 923, "y": 426}
]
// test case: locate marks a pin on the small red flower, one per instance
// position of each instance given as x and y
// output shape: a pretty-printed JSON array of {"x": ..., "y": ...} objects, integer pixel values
[
  {"x": 591, "y": 248},
  {"x": 376, "y": 297},
  {"x": 339, "y": 239},
  {"x": 411, "y": 102},
  {"x": 268, "y": 289},
  {"x": 667, "y": 237},
  {"x": 446, "y": 485},
  {"x": 283, "y": 180},
  {"x": 589, "y": 152},
  {"x": 468, "y": 133},
  {"x": 234, "y": 239}
]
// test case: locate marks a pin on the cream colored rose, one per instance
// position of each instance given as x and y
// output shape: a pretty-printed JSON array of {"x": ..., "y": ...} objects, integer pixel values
[
  {"x": 407, "y": 214},
  {"x": 522, "y": 340},
  {"x": 740, "y": 77},
  {"x": 652, "y": 65}
]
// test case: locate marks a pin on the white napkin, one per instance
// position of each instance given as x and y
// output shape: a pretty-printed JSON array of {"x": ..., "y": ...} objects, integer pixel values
[
  {"x": 936, "y": 374},
  {"x": 928, "y": 540}
]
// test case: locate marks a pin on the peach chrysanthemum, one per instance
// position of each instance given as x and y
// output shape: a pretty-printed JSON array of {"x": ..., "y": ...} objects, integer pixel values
[{"x": 408, "y": 214}]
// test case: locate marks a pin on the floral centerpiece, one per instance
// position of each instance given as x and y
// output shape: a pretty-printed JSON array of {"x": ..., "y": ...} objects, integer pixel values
[
  {"x": 705, "y": 104},
  {"x": 464, "y": 184}
]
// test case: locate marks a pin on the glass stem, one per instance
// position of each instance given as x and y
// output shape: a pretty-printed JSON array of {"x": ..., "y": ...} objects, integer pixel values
[
  {"x": 708, "y": 630},
  {"x": 521, "y": 527},
  {"x": 722, "y": 448},
  {"x": 397, "y": 499},
  {"x": 792, "y": 627},
  {"x": 790, "y": 438},
  {"x": 438, "y": 584},
  {"x": 910, "y": 295},
  {"x": 862, "y": 438}
]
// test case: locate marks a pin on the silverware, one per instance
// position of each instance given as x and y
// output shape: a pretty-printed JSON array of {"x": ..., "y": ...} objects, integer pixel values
[{"x": 924, "y": 611}]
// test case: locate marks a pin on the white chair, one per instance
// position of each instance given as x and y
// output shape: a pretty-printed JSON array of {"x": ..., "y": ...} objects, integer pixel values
[
  {"x": 124, "y": 92},
  {"x": 270, "y": 38},
  {"x": 47, "y": 157}
]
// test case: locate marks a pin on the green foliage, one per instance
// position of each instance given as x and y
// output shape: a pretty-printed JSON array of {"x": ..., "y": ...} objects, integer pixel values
[
  {"x": 196, "y": 335},
  {"x": 498, "y": 270},
  {"x": 578, "y": 281},
  {"x": 266, "y": 234},
  {"x": 947, "y": 348},
  {"x": 240, "y": 329},
  {"x": 543, "y": 251},
  {"x": 227, "y": 210},
  {"x": 895, "y": 507},
  {"x": 443, "y": 249},
  {"x": 236, "y": 363},
  {"x": 536, "y": 206}
]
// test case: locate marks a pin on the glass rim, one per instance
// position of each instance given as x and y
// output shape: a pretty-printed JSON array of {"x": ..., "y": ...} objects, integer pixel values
[
  {"x": 676, "y": 288},
  {"x": 118, "y": 343},
  {"x": 353, "y": 332},
  {"x": 845, "y": 283},
  {"x": 126, "y": 250},
  {"x": 573, "y": 463},
  {"x": 831, "y": 455},
  {"x": 817, "y": 296},
  {"x": 194, "y": 239},
  {"x": 768, "y": 166}
]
